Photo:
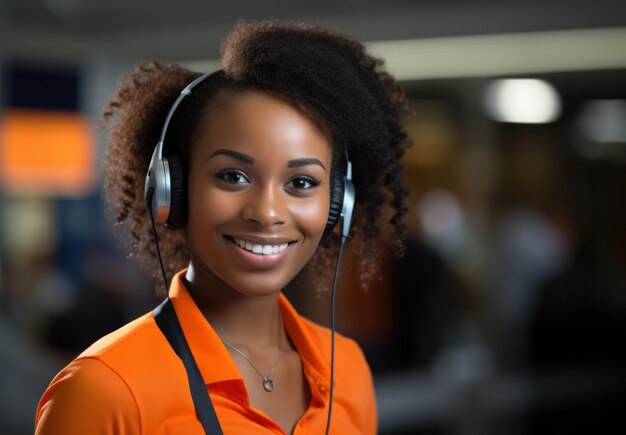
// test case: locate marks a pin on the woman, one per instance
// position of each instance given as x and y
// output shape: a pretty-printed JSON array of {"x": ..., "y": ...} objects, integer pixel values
[{"x": 259, "y": 145}]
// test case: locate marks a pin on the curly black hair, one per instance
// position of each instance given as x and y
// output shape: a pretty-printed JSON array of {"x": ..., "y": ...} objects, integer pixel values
[{"x": 330, "y": 76}]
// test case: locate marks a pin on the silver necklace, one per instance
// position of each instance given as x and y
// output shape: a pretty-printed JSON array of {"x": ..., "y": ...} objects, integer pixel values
[{"x": 269, "y": 384}]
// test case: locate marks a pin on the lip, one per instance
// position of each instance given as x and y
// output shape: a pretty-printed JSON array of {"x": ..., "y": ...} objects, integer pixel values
[
  {"x": 261, "y": 240},
  {"x": 260, "y": 261}
]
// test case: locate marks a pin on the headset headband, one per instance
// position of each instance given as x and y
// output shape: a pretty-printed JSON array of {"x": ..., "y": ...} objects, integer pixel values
[{"x": 184, "y": 93}]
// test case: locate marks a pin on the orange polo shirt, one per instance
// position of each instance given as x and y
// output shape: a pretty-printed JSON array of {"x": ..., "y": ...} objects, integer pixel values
[{"x": 132, "y": 382}]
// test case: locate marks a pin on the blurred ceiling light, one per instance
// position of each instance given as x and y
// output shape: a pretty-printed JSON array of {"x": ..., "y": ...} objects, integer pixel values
[
  {"x": 493, "y": 55},
  {"x": 503, "y": 54},
  {"x": 601, "y": 130},
  {"x": 201, "y": 65},
  {"x": 603, "y": 121},
  {"x": 524, "y": 101},
  {"x": 443, "y": 221}
]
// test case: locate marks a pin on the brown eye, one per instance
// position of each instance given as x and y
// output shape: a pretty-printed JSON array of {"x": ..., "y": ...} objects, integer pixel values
[
  {"x": 303, "y": 183},
  {"x": 232, "y": 177}
]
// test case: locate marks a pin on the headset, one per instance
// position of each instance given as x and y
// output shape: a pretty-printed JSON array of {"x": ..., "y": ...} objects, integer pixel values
[{"x": 166, "y": 201}]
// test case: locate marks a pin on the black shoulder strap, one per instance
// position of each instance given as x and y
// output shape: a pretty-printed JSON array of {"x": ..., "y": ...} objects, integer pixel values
[{"x": 169, "y": 325}]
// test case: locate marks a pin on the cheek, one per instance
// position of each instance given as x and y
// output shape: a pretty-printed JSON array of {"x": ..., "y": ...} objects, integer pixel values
[
  {"x": 209, "y": 209},
  {"x": 311, "y": 216}
]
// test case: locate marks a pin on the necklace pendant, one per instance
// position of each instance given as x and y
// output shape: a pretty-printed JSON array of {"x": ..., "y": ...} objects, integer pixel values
[{"x": 269, "y": 385}]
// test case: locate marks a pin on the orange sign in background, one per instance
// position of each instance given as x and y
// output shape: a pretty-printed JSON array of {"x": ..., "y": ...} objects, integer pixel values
[{"x": 46, "y": 152}]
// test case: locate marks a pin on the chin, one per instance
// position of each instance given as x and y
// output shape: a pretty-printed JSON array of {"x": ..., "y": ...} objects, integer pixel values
[{"x": 259, "y": 285}]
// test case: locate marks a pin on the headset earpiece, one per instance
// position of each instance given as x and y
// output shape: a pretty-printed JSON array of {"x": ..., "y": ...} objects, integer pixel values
[
  {"x": 157, "y": 187},
  {"x": 342, "y": 198},
  {"x": 178, "y": 185},
  {"x": 336, "y": 202},
  {"x": 349, "y": 198},
  {"x": 165, "y": 189}
]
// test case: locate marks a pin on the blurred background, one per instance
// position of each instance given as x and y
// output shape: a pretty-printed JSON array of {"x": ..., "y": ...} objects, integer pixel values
[{"x": 507, "y": 314}]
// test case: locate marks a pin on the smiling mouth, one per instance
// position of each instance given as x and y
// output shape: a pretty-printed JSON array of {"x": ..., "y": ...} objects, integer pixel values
[
  {"x": 261, "y": 249},
  {"x": 261, "y": 255}
]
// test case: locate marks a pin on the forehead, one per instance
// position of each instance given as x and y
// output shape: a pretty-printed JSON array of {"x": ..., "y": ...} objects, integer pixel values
[{"x": 262, "y": 125}]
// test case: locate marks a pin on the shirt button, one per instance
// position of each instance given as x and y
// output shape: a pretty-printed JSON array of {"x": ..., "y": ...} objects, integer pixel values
[{"x": 322, "y": 388}]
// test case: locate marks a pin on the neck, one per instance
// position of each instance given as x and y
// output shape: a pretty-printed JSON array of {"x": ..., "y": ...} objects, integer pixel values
[{"x": 242, "y": 320}]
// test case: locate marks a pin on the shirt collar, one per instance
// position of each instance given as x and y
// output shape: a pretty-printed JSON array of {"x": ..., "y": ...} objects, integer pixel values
[
  {"x": 214, "y": 360},
  {"x": 316, "y": 364}
]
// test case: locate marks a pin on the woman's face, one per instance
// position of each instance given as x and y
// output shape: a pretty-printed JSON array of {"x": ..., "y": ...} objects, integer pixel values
[{"x": 259, "y": 177}]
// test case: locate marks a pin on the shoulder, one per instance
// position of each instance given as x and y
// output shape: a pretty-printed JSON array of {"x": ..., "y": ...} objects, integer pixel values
[
  {"x": 140, "y": 332},
  {"x": 112, "y": 375},
  {"x": 112, "y": 408},
  {"x": 131, "y": 351}
]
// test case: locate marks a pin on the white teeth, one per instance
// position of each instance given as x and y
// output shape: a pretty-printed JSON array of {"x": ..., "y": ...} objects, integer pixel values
[{"x": 260, "y": 249}]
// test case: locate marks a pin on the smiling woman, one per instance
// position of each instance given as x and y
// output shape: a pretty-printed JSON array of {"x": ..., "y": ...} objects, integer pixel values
[
  {"x": 265, "y": 184},
  {"x": 256, "y": 155}
]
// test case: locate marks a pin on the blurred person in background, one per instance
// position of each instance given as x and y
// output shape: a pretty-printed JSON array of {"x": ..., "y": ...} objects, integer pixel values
[{"x": 258, "y": 153}]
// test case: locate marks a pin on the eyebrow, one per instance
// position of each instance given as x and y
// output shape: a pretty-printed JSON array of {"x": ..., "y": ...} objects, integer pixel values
[
  {"x": 297, "y": 163},
  {"x": 244, "y": 158}
]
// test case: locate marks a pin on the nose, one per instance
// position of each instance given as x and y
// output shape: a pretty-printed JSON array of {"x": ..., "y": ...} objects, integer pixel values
[{"x": 266, "y": 206}]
